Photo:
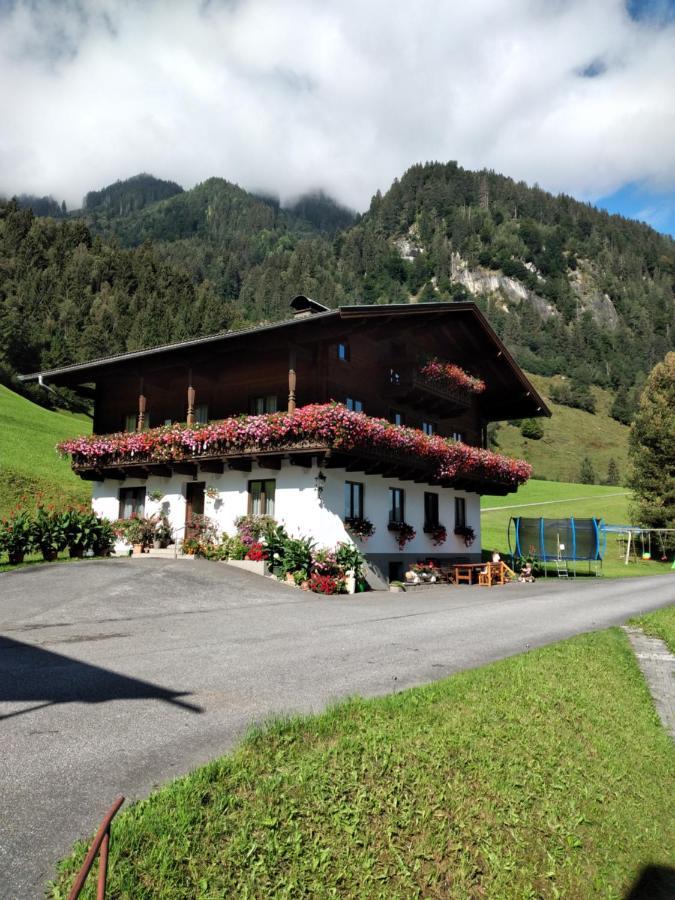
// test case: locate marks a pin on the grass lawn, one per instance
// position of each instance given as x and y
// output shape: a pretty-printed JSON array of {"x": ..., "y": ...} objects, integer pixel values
[
  {"x": 29, "y": 463},
  {"x": 555, "y": 500},
  {"x": 544, "y": 775},
  {"x": 660, "y": 623}
]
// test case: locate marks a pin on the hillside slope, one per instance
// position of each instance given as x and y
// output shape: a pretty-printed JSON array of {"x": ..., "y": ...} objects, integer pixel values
[
  {"x": 570, "y": 289},
  {"x": 569, "y": 436},
  {"x": 29, "y": 464}
]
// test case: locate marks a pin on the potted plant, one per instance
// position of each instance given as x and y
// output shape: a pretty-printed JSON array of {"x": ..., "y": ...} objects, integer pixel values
[
  {"x": 47, "y": 533},
  {"x": 16, "y": 536},
  {"x": 426, "y": 571},
  {"x": 163, "y": 533},
  {"x": 155, "y": 495},
  {"x": 212, "y": 492}
]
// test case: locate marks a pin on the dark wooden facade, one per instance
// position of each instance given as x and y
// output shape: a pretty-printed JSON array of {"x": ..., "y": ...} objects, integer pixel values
[{"x": 370, "y": 355}]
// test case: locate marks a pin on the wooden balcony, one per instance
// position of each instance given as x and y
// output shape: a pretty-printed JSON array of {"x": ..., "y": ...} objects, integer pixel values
[{"x": 405, "y": 385}]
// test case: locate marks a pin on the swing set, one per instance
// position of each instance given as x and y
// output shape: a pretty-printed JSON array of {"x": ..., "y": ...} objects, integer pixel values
[{"x": 630, "y": 536}]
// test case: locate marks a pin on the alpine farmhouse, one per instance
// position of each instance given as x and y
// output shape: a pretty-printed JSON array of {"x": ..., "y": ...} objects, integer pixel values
[{"x": 286, "y": 420}]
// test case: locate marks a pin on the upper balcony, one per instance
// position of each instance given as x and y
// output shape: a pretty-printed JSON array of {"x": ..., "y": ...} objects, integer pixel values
[{"x": 435, "y": 387}]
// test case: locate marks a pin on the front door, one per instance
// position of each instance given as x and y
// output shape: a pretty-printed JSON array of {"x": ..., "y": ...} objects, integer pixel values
[{"x": 194, "y": 506}]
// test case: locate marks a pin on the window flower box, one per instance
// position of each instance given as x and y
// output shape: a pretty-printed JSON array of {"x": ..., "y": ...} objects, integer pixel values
[
  {"x": 437, "y": 532},
  {"x": 404, "y": 533},
  {"x": 360, "y": 527},
  {"x": 466, "y": 532}
]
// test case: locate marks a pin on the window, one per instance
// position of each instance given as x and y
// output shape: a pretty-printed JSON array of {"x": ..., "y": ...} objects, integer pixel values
[
  {"x": 267, "y": 404},
  {"x": 428, "y": 427},
  {"x": 396, "y": 417},
  {"x": 353, "y": 500},
  {"x": 261, "y": 497},
  {"x": 457, "y": 435},
  {"x": 394, "y": 376},
  {"x": 354, "y": 405},
  {"x": 130, "y": 421},
  {"x": 396, "y": 505},
  {"x": 460, "y": 512},
  {"x": 430, "y": 510},
  {"x": 343, "y": 351},
  {"x": 201, "y": 414},
  {"x": 132, "y": 502}
]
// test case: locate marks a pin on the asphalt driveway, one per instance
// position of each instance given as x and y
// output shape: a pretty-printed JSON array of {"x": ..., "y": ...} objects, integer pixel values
[{"x": 116, "y": 676}]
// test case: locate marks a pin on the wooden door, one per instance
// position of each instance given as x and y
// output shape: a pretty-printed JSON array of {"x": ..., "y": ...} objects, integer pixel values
[{"x": 194, "y": 506}]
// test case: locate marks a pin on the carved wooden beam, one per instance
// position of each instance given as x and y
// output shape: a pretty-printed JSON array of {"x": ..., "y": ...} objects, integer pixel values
[
  {"x": 269, "y": 462},
  {"x": 216, "y": 466},
  {"x": 92, "y": 475},
  {"x": 240, "y": 464},
  {"x": 185, "y": 469}
]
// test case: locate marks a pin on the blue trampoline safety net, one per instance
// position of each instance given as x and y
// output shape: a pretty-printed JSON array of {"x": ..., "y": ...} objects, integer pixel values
[{"x": 548, "y": 539}]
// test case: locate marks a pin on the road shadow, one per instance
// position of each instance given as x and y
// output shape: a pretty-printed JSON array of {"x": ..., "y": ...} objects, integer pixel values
[
  {"x": 31, "y": 674},
  {"x": 653, "y": 883}
]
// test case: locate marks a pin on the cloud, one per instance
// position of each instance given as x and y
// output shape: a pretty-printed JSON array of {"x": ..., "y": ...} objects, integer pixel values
[{"x": 341, "y": 94}]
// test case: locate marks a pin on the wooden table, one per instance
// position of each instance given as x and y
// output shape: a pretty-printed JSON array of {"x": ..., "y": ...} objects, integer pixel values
[{"x": 464, "y": 571}]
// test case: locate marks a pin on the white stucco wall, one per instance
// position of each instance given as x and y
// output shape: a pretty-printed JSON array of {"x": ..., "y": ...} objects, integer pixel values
[{"x": 299, "y": 509}]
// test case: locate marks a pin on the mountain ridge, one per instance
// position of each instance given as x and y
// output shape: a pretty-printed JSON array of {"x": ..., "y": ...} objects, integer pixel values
[{"x": 571, "y": 289}]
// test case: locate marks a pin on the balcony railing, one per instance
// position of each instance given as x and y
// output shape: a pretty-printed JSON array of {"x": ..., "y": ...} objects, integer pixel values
[{"x": 406, "y": 384}]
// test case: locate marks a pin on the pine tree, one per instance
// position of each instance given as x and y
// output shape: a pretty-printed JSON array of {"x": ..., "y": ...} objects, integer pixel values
[
  {"x": 586, "y": 471},
  {"x": 612, "y": 472},
  {"x": 652, "y": 449}
]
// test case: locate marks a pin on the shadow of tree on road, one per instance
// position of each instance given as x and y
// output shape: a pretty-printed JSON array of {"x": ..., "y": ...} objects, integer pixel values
[{"x": 29, "y": 673}]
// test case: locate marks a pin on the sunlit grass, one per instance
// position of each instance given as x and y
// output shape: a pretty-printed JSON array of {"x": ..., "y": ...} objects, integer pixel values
[{"x": 544, "y": 775}]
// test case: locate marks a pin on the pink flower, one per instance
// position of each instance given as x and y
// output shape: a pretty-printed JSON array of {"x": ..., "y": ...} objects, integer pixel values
[{"x": 330, "y": 424}]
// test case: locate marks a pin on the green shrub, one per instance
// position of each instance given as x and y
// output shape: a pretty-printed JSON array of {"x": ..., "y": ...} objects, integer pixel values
[{"x": 532, "y": 429}]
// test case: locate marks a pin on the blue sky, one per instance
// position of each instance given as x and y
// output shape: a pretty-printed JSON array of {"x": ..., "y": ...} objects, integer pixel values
[
  {"x": 286, "y": 96},
  {"x": 635, "y": 202}
]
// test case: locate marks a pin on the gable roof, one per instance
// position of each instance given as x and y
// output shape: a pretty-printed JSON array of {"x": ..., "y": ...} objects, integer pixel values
[{"x": 311, "y": 316}]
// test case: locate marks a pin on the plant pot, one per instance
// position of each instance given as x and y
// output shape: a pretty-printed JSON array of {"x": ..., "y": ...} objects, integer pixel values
[
  {"x": 156, "y": 545},
  {"x": 49, "y": 555},
  {"x": 138, "y": 549},
  {"x": 76, "y": 552},
  {"x": 16, "y": 557}
]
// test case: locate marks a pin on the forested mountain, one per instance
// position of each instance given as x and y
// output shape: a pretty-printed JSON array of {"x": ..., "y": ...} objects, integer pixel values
[
  {"x": 124, "y": 197},
  {"x": 571, "y": 289}
]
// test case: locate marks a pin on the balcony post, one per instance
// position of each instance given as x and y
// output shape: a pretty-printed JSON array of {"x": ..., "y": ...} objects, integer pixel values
[
  {"x": 140, "y": 421},
  {"x": 291, "y": 380},
  {"x": 190, "y": 405}
]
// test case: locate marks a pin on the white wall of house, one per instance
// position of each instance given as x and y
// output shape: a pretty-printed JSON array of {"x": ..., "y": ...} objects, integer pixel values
[{"x": 299, "y": 508}]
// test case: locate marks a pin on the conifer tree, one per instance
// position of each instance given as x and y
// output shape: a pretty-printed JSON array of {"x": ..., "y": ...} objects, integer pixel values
[
  {"x": 586, "y": 471},
  {"x": 612, "y": 472},
  {"x": 652, "y": 449}
]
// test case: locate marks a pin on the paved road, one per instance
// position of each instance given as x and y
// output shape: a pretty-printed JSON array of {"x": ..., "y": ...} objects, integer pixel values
[{"x": 116, "y": 676}]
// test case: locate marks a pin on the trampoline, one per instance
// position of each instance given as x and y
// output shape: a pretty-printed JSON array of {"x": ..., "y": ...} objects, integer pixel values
[{"x": 558, "y": 540}]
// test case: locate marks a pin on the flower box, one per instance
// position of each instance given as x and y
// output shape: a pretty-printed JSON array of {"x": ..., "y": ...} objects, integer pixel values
[{"x": 317, "y": 425}]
